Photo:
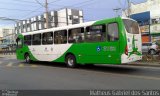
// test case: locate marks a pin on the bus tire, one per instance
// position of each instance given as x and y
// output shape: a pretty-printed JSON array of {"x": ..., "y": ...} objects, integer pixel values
[
  {"x": 27, "y": 58},
  {"x": 70, "y": 61}
]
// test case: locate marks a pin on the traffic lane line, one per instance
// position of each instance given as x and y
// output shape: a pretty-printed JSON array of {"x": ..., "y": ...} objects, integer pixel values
[
  {"x": 21, "y": 65},
  {"x": 9, "y": 65},
  {"x": 18, "y": 65}
]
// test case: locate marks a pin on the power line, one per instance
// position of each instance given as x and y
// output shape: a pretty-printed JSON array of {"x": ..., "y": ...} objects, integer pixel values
[
  {"x": 82, "y": 2},
  {"x": 120, "y": 3},
  {"x": 73, "y": 5},
  {"x": 33, "y": 11},
  {"x": 40, "y": 3},
  {"x": 17, "y": 9},
  {"x": 9, "y": 19},
  {"x": 25, "y": 1},
  {"x": 16, "y": 3},
  {"x": 54, "y": 1}
]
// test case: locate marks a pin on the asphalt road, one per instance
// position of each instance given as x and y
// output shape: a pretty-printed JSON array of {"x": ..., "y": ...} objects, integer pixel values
[{"x": 15, "y": 75}]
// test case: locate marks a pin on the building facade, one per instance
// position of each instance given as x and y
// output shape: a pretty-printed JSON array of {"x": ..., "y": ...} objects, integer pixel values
[
  {"x": 58, "y": 18},
  {"x": 148, "y": 16},
  {"x": 7, "y": 38},
  {"x": 1, "y": 44}
]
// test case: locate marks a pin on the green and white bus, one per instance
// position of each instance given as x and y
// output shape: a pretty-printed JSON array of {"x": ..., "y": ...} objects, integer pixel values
[{"x": 107, "y": 41}]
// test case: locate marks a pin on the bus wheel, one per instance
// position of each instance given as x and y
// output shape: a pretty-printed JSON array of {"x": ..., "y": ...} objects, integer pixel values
[
  {"x": 71, "y": 61},
  {"x": 27, "y": 58}
]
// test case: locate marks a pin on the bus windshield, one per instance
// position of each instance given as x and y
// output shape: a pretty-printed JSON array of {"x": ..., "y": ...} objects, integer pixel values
[{"x": 131, "y": 26}]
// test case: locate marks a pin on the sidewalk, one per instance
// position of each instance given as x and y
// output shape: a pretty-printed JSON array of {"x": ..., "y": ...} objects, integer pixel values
[
  {"x": 148, "y": 60},
  {"x": 145, "y": 63}
]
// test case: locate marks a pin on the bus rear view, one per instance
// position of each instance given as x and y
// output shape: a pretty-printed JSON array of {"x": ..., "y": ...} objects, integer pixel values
[{"x": 133, "y": 50}]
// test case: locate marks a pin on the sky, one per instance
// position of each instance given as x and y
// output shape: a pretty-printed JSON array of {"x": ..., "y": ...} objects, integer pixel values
[{"x": 92, "y": 9}]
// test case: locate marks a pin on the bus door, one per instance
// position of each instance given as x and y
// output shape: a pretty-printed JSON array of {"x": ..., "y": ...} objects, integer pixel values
[
  {"x": 19, "y": 49},
  {"x": 36, "y": 48},
  {"x": 47, "y": 47},
  {"x": 112, "y": 44}
]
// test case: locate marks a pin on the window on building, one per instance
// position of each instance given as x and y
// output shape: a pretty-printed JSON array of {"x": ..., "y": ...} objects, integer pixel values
[
  {"x": 47, "y": 38},
  {"x": 27, "y": 40},
  {"x": 76, "y": 35},
  {"x": 112, "y": 32},
  {"x": 36, "y": 39},
  {"x": 60, "y": 37},
  {"x": 76, "y": 21},
  {"x": 28, "y": 27},
  {"x": 96, "y": 33}
]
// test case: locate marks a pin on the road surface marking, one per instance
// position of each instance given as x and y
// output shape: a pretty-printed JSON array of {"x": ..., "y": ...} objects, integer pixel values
[
  {"x": 21, "y": 65},
  {"x": 33, "y": 66},
  {"x": 9, "y": 65}
]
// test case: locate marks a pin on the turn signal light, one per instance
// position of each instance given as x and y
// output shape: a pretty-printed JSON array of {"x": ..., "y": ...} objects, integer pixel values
[{"x": 126, "y": 50}]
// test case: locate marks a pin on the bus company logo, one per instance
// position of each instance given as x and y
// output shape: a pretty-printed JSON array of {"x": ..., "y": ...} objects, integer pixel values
[{"x": 99, "y": 48}]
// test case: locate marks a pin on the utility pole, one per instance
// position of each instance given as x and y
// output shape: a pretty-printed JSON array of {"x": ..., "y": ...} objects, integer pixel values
[
  {"x": 117, "y": 10},
  {"x": 46, "y": 7},
  {"x": 129, "y": 8}
]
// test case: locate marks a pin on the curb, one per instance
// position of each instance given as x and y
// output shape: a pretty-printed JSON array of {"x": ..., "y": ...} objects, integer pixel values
[{"x": 142, "y": 64}]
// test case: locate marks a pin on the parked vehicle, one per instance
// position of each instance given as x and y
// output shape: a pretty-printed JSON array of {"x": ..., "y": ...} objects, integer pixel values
[{"x": 151, "y": 48}]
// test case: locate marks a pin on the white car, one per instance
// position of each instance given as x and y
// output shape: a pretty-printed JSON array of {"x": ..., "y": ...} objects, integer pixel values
[{"x": 151, "y": 48}]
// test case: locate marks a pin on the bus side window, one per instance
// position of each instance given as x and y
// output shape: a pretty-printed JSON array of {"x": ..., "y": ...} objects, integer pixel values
[
  {"x": 60, "y": 37},
  {"x": 76, "y": 35},
  {"x": 112, "y": 32},
  {"x": 27, "y": 40},
  {"x": 96, "y": 33},
  {"x": 36, "y": 39},
  {"x": 47, "y": 38}
]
